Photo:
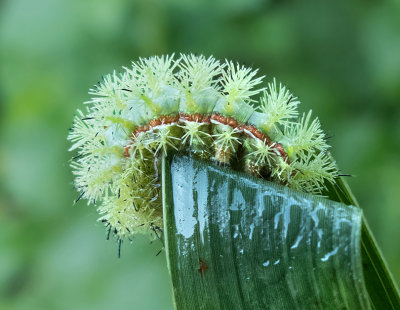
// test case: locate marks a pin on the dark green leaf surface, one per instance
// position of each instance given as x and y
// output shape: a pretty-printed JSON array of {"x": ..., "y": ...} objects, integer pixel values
[
  {"x": 382, "y": 289},
  {"x": 236, "y": 242}
]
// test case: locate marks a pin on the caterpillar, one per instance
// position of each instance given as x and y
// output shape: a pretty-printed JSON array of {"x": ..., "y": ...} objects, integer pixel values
[{"x": 192, "y": 104}]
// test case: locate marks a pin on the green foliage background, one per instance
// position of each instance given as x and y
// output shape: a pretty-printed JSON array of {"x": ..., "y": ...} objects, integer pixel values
[{"x": 342, "y": 58}]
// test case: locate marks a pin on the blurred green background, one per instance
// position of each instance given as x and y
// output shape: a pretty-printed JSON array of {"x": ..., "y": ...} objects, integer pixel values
[{"x": 342, "y": 58}]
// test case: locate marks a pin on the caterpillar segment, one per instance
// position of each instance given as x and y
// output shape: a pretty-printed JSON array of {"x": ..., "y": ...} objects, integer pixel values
[{"x": 196, "y": 105}]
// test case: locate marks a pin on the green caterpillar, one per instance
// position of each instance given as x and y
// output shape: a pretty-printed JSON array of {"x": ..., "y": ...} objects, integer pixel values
[{"x": 192, "y": 104}]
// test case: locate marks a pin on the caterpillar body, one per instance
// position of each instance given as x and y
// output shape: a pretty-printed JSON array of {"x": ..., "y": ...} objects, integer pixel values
[{"x": 191, "y": 104}]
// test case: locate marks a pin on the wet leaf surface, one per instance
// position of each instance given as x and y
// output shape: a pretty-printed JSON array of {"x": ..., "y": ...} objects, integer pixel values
[{"x": 237, "y": 242}]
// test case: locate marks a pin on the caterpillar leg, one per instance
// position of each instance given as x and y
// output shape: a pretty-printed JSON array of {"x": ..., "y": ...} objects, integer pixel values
[
  {"x": 197, "y": 138},
  {"x": 226, "y": 142},
  {"x": 258, "y": 157}
]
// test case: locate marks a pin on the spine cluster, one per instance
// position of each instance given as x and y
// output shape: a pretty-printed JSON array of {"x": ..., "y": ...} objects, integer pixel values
[{"x": 192, "y": 104}]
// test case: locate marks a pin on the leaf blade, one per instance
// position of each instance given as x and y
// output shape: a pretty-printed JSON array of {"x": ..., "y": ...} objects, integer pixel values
[
  {"x": 262, "y": 239},
  {"x": 380, "y": 284}
]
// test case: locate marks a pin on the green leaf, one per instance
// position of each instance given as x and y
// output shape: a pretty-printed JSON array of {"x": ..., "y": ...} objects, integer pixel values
[
  {"x": 237, "y": 242},
  {"x": 382, "y": 289}
]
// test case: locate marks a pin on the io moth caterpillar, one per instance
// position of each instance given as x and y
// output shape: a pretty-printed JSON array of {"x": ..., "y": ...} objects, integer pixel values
[{"x": 191, "y": 104}]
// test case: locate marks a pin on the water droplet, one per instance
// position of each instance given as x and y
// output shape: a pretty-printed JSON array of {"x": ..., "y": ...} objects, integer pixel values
[
  {"x": 251, "y": 230},
  {"x": 236, "y": 233},
  {"x": 296, "y": 244},
  {"x": 329, "y": 254}
]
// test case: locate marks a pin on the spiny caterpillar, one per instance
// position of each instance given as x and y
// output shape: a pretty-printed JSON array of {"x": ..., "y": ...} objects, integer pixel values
[{"x": 196, "y": 105}]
